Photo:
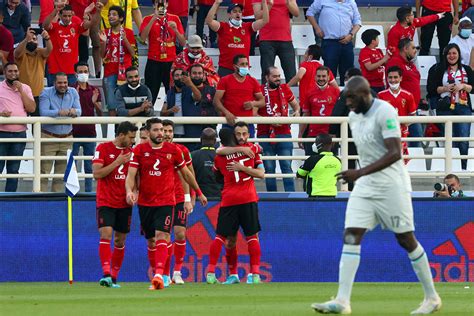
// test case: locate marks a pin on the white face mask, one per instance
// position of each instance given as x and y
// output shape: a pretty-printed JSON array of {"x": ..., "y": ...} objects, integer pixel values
[
  {"x": 82, "y": 77},
  {"x": 191, "y": 55},
  {"x": 134, "y": 88},
  {"x": 236, "y": 23},
  {"x": 394, "y": 86}
]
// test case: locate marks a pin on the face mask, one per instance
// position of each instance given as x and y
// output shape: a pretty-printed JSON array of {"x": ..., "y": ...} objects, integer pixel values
[
  {"x": 236, "y": 23},
  {"x": 63, "y": 24},
  {"x": 82, "y": 77},
  {"x": 322, "y": 86},
  {"x": 178, "y": 84},
  {"x": 394, "y": 86},
  {"x": 31, "y": 46},
  {"x": 315, "y": 148},
  {"x": 243, "y": 71},
  {"x": 273, "y": 85},
  {"x": 191, "y": 55},
  {"x": 197, "y": 82},
  {"x": 465, "y": 33},
  {"x": 134, "y": 88}
]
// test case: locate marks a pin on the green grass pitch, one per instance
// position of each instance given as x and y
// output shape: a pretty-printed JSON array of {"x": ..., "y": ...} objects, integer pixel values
[{"x": 86, "y": 299}]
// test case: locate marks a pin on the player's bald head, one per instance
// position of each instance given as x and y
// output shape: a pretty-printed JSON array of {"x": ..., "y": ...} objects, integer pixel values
[
  {"x": 358, "y": 85},
  {"x": 358, "y": 95},
  {"x": 208, "y": 136}
]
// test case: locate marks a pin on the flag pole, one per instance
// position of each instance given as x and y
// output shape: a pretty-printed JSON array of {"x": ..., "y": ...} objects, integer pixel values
[
  {"x": 71, "y": 187},
  {"x": 69, "y": 226}
]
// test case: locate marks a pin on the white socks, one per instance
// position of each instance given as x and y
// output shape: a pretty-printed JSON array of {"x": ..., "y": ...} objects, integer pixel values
[
  {"x": 420, "y": 264},
  {"x": 348, "y": 266}
]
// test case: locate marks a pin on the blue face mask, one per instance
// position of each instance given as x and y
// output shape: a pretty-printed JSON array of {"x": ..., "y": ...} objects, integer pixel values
[
  {"x": 243, "y": 71},
  {"x": 465, "y": 33}
]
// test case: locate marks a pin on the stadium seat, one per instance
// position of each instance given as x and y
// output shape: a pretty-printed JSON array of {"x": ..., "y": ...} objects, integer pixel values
[
  {"x": 416, "y": 165},
  {"x": 470, "y": 162},
  {"x": 295, "y": 164},
  {"x": 212, "y": 51},
  {"x": 424, "y": 63},
  {"x": 438, "y": 164},
  {"x": 26, "y": 166},
  {"x": 255, "y": 68},
  {"x": 359, "y": 44},
  {"x": 98, "y": 130},
  {"x": 160, "y": 99},
  {"x": 141, "y": 65},
  {"x": 416, "y": 39},
  {"x": 302, "y": 36}
]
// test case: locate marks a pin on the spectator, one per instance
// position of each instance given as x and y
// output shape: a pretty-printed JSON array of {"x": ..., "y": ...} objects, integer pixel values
[
  {"x": 372, "y": 60},
  {"x": 116, "y": 49},
  {"x": 234, "y": 35},
  {"x": 131, "y": 9},
  {"x": 64, "y": 36},
  {"x": 466, "y": 5},
  {"x": 181, "y": 9},
  {"x": 133, "y": 98},
  {"x": 307, "y": 73},
  {"x": 338, "y": 24},
  {"x": 469, "y": 10},
  {"x": 161, "y": 30},
  {"x": 275, "y": 37},
  {"x": 238, "y": 94},
  {"x": 465, "y": 41},
  {"x": 202, "y": 7},
  {"x": 320, "y": 169},
  {"x": 203, "y": 164},
  {"x": 16, "y": 18},
  {"x": 248, "y": 16},
  {"x": 451, "y": 188},
  {"x": 277, "y": 98},
  {"x": 16, "y": 99},
  {"x": 90, "y": 100},
  {"x": 451, "y": 82},
  {"x": 406, "y": 27},
  {"x": 195, "y": 54},
  {"x": 57, "y": 101},
  {"x": 31, "y": 61},
  {"x": 80, "y": 8},
  {"x": 411, "y": 79},
  {"x": 443, "y": 25},
  {"x": 144, "y": 137},
  {"x": 320, "y": 102},
  {"x": 6, "y": 44}
]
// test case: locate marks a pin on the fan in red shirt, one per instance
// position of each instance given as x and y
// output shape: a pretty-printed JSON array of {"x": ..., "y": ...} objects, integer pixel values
[
  {"x": 161, "y": 30},
  {"x": 182, "y": 209},
  {"x": 155, "y": 162},
  {"x": 372, "y": 60},
  {"x": 238, "y": 94},
  {"x": 306, "y": 75},
  {"x": 320, "y": 102},
  {"x": 178, "y": 7},
  {"x": 234, "y": 35},
  {"x": 400, "y": 99},
  {"x": 239, "y": 203},
  {"x": 110, "y": 167},
  {"x": 406, "y": 27}
]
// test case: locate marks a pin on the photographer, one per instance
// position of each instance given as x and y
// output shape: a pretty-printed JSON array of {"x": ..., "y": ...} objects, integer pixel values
[{"x": 450, "y": 188}]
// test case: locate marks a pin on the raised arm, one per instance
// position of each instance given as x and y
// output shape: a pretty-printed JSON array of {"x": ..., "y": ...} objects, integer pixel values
[
  {"x": 260, "y": 23},
  {"x": 213, "y": 24}
]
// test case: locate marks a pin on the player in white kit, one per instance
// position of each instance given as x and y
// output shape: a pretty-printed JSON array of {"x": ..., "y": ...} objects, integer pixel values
[{"x": 381, "y": 196}]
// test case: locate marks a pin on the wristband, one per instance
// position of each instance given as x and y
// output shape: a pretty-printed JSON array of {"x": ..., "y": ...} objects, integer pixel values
[
  {"x": 198, "y": 192},
  {"x": 187, "y": 198}
]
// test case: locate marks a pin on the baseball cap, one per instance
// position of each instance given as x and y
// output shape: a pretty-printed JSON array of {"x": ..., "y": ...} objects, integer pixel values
[
  {"x": 233, "y": 6},
  {"x": 195, "y": 41}
]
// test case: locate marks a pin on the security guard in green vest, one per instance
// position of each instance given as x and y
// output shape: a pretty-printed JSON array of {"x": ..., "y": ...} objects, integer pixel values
[{"x": 319, "y": 171}]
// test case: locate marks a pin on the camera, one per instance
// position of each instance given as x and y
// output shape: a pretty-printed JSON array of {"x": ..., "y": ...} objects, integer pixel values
[{"x": 443, "y": 187}]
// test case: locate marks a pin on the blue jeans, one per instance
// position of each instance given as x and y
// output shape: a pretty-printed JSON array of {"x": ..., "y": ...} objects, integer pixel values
[
  {"x": 415, "y": 130},
  {"x": 278, "y": 149},
  {"x": 88, "y": 150},
  {"x": 11, "y": 149},
  {"x": 460, "y": 129},
  {"x": 110, "y": 84},
  {"x": 71, "y": 79},
  {"x": 338, "y": 56}
]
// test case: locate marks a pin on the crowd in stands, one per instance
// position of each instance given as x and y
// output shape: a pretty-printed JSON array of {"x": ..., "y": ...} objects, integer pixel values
[{"x": 59, "y": 51}]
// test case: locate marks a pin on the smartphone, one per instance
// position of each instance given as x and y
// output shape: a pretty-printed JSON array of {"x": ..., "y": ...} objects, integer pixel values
[
  {"x": 37, "y": 30},
  {"x": 141, "y": 99}
]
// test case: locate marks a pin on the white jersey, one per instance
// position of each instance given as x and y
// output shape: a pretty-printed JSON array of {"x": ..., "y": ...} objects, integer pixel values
[{"x": 369, "y": 131}]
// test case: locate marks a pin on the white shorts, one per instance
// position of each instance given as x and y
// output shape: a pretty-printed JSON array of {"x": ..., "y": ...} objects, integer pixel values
[{"x": 393, "y": 212}]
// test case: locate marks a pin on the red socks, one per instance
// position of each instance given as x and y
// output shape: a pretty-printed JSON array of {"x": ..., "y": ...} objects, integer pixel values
[
  {"x": 168, "y": 260},
  {"x": 179, "y": 252},
  {"x": 152, "y": 258},
  {"x": 214, "y": 252},
  {"x": 231, "y": 257},
  {"x": 161, "y": 255},
  {"x": 117, "y": 259},
  {"x": 255, "y": 254},
  {"x": 105, "y": 255}
]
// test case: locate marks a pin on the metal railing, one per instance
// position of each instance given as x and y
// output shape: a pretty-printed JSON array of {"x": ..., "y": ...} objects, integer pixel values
[{"x": 344, "y": 140}]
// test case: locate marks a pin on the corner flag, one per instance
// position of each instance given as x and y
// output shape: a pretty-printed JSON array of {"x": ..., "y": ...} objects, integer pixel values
[{"x": 71, "y": 180}]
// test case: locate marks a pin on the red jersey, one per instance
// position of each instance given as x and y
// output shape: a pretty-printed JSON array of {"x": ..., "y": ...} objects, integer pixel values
[
  {"x": 178, "y": 186},
  {"x": 111, "y": 189},
  {"x": 205, "y": 2},
  {"x": 375, "y": 77},
  {"x": 248, "y": 7},
  {"x": 398, "y": 32},
  {"x": 308, "y": 82},
  {"x": 112, "y": 53},
  {"x": 320, "y": 103},
  {"x": 239, "y": 187},
  {"x": 178, "y": 7},
  {"x": 276, "y": 104},
  {"x": 437, "y": 5},
  {"x": 236, "y": 93},
  {"x": 411, "y": 76},
  {"x": 46, "y": 7},
  {"x": 233, "y": 41},
  {"x": 157, "y": 35},
  {"x": 156, "y": 167},
  {"x": 403, "y": 102},
  {"x": 65, "y": 40},
  {"x": 278, "y": 29}
]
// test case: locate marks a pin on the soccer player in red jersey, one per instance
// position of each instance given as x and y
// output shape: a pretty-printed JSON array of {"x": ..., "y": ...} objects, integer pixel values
[
  {"x": 238, "y": 205},
  {"x": 182, "y": 209},
  {"x": 155, "y": 163},
  {"x": 110, "y": 167},
  {"x": 372, "y": 60}
]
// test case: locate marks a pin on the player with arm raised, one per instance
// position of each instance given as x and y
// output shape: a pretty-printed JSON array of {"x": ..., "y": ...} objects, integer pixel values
[
  {"x": 381, "y": 196},
  {"x": 110, "y": 167},
  {"x": 238, "y": 206},
  {"x": 155, "y": 163}
]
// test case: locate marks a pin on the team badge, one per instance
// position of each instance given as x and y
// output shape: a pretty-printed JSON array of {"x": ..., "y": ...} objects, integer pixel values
[
  {"x": 73, "y": 31},
  {"x": 404, "y": 102},
  {"x": 168, "y": 156},
  {"x": 242, "y": 31}
]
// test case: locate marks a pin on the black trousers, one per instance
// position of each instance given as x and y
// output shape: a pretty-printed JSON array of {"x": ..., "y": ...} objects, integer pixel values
[
  {"x": 200, "y": 19},
  {"x": 83, "y": 48},
  {"x": 443, "y": 26},
  {"x": 157, "y": 73}
]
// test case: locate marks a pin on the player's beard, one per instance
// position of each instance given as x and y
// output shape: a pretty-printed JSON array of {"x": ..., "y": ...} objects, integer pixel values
[{"x": 156, "y": 140}]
